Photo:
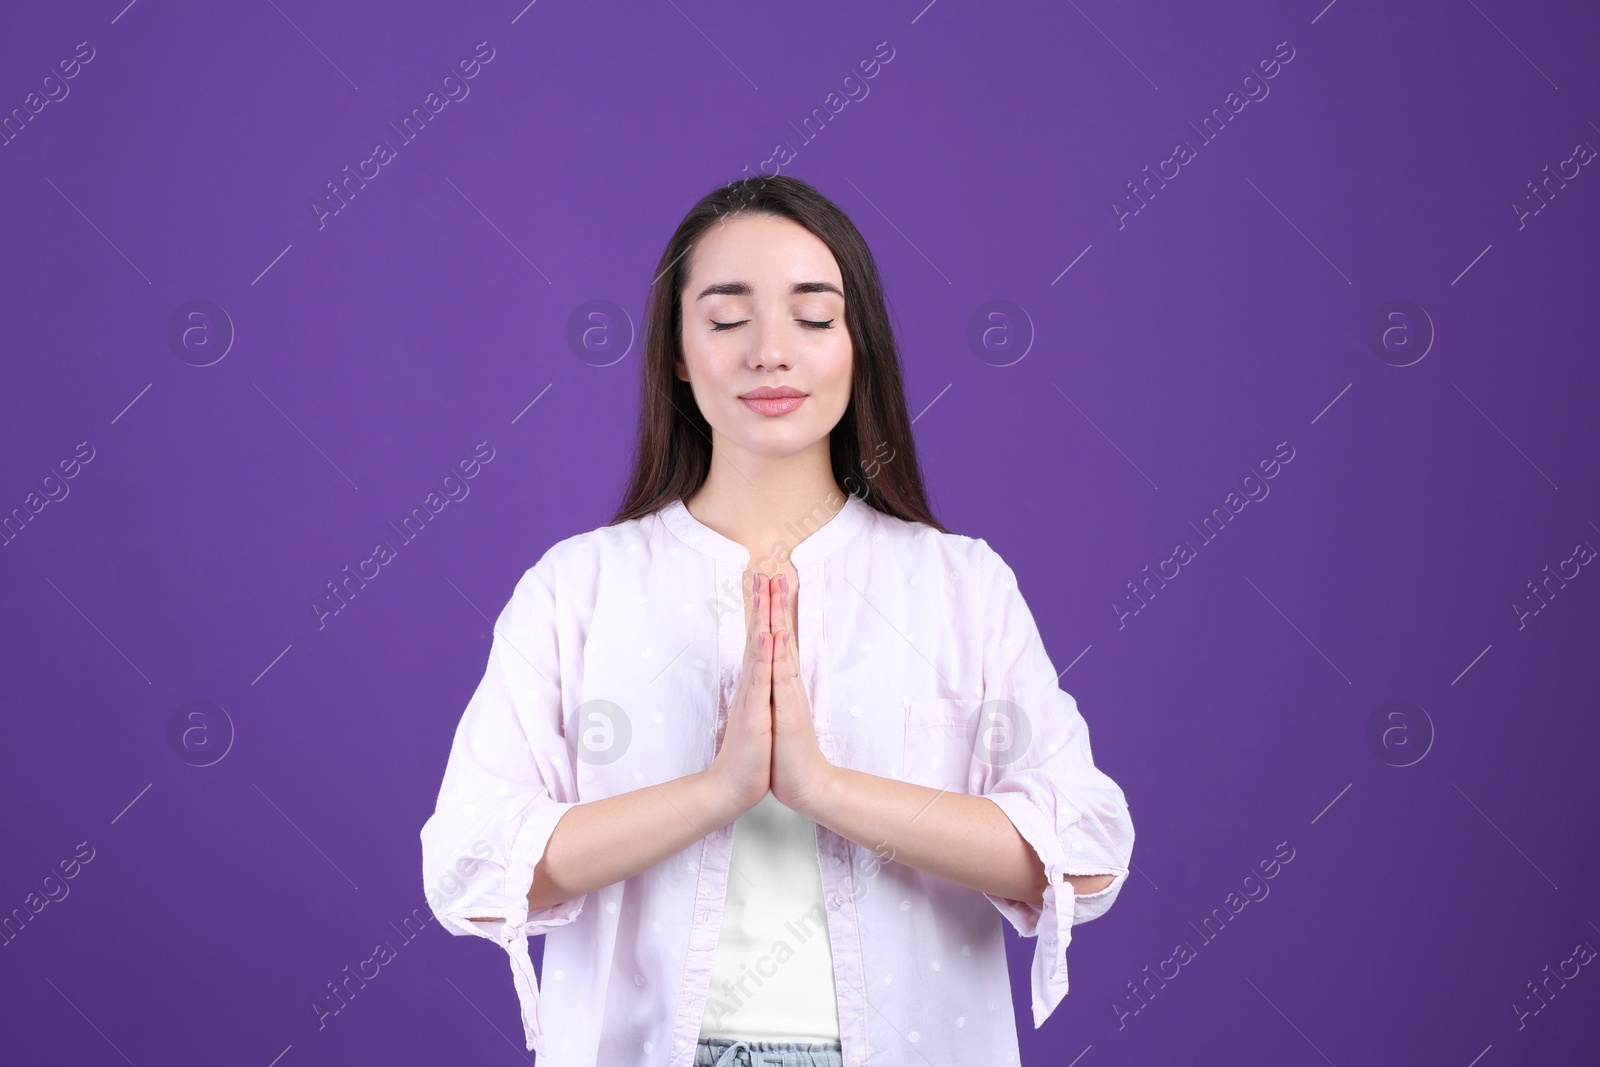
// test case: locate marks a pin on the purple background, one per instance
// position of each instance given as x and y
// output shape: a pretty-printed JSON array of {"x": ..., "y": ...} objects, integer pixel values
[{"x": 1229, "y": 314}]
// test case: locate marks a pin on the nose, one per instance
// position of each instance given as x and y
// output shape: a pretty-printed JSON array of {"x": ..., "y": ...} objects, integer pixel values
[{"x": 770, "y": 351}]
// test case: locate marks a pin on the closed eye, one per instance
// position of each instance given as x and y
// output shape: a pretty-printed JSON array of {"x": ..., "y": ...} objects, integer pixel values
[{"x": 718, "y": 327}]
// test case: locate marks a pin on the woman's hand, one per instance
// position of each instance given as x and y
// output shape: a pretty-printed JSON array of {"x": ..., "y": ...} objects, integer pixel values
[
  {"x": 799, "y": 769},
  {"x": 742, "y": 767}
]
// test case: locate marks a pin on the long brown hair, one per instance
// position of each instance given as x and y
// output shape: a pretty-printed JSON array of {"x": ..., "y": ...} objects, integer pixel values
[{"x": 871, "y": 449}]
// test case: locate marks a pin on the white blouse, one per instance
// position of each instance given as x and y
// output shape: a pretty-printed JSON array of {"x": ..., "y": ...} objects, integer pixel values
[{"x": 611, "y": 669}]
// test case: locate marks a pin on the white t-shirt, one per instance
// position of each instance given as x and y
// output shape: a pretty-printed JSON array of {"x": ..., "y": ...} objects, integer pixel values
[{"x": 773, "y": 975}]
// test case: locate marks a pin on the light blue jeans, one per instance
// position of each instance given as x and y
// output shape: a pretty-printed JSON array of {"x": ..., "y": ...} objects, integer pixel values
[{"x": 720, "y": 1052}]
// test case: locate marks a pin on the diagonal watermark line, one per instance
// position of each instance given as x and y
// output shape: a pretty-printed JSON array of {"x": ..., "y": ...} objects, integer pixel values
[
  {"x": 501, "y": 232},
  {"x": 1469, "y": 666},
  {"x": 274, "y": 663},
  {"x": 930, "y": 404},
  {"x": 909, "y": 1043},
  {"x": 1332, "y": 402},
  {"x": 713, "y": 44},
  {"x": 668, "y": 267},
  {"x": 1113, "y": 44},
  {"x": 1502, "y": 433},
  {"x": 313, "y": 44},
  {"x": 132, "y": 402},
  {"x": 1069, "y": 266},
  {"x": 687, "y": 421},
  {"x": 302, "y": 833},
  {"x": 530, "y": 404},
  {"x": 1513, "y": 44},
  {"x": 901, "y": 232},
  {"x": 1502, "y": 833},
  {"x": 1075, "y": 659},
  {"x": 131, "y": 803},
  {"x": 101, "y": 632},
  {"x": 1301, "y": 232},
  {"x": 1109, "y": 441},
  {"x": 269, "y": 266},
  {"x": 1331, "y": 803},
  {"x": 1301, "y": 632},
  {"x": 1474, "y": 262},
  {"x": 88, "y": 1020},
  {"x": 302, "y": 433},
  {"x": 508, "y": 642},
  {"x": 101, "y": 232},
  {"x": 1288, "y": 1020},
  {"x": 671, "y": 661},
  {"x": 520, "y": 1051}
]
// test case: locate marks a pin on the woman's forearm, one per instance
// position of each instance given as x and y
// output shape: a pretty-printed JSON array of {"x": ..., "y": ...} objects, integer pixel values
[
  {"x": 605, "y": 841},
  {"x": 964, "y": 839}
]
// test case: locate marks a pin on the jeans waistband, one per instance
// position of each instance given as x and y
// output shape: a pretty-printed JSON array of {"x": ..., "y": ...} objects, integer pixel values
[{"x": 720, "y": 1052}]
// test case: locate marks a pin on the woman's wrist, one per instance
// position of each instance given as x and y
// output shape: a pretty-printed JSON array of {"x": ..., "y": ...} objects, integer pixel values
[{"x": 719, "y": 803}]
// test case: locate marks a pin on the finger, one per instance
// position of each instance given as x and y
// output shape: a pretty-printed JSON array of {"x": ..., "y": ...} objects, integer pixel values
[
  {"x": 751, "y": 617},
  {"x": 788, "y": 607},
  {"x": 790, "y": 671},
  {"x": 773, "y": 616},
  {"x": 780, "y": 666},
  {"x": 761, "y": 617},
  {"x": 761, "y": 691},
  {"x": 759, "y": 610},
  {"x": 791, "y": 606},
  {"x": 780, "y": 600}
]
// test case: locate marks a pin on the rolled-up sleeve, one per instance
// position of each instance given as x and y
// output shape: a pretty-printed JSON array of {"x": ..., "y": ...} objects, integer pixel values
[
  {"x": 509, "y": 779},
  {"x": 1036, "y": 764}
]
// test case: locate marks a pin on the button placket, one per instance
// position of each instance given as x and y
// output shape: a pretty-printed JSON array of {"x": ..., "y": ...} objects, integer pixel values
[
  {"x": 843, "y": 921},
  {"x": 813, "y": 666},
  {"x": 711, "y": 870}
]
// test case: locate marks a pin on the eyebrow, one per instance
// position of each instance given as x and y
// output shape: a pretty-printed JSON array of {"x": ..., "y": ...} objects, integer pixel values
[{"x": 744, "y": 289}]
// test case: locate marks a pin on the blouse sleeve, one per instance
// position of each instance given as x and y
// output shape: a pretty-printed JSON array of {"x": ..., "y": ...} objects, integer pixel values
[
  {"x": 1036, "y": 765},
  {"x": 509, "y": 779}
]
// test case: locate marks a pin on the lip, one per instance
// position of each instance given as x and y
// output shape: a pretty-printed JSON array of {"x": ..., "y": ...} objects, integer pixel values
[
  {"x": 778, "y": 405},
  {"x": 771, "y": 392}
]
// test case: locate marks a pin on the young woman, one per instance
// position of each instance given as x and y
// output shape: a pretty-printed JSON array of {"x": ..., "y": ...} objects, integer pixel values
[{"x": 768, "y": 757}]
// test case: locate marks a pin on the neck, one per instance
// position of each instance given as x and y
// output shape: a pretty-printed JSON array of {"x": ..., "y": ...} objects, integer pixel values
[{"x": 768, "y": 504}]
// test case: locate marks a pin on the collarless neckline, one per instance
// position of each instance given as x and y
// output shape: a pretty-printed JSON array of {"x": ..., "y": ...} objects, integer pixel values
[{"x": 844, "y": 525}]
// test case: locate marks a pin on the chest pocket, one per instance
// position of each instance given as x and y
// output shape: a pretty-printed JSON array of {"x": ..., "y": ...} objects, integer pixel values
[{"x": 940, "y": 736}]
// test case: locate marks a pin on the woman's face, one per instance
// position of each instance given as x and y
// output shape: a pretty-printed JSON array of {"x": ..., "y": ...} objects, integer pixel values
[{"x": 764, "y": 310}]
